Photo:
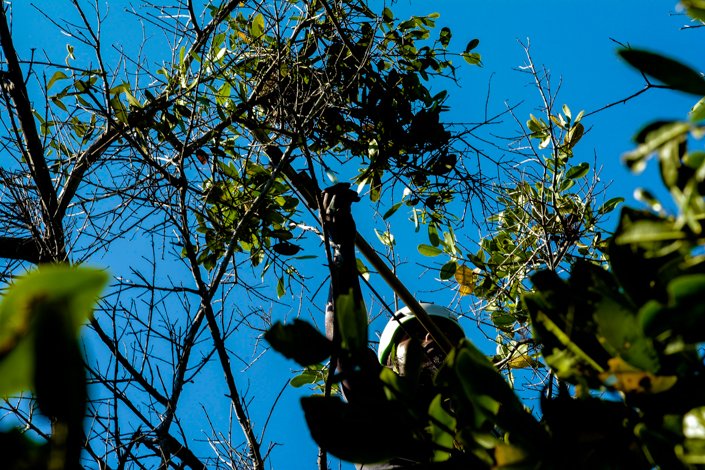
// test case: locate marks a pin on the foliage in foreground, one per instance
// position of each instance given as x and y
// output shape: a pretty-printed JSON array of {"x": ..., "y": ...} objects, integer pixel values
[
  {"x": 41, "y": 314},
  {"x": 622, "y": 341}
]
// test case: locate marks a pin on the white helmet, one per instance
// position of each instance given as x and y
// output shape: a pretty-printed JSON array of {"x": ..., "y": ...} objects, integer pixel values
[{"x": 394, "y": 331}]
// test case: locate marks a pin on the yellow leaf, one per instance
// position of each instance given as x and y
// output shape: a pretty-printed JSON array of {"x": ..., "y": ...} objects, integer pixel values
[
  {"x": 507, "y": 454},
  {"x": 465, "y": 277},
  {"x": 465, "y": 290},
  {"x": 626, "y": 378}
]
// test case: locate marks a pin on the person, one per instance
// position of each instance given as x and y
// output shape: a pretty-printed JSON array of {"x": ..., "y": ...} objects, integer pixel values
[{"x": 404, "y": 346}]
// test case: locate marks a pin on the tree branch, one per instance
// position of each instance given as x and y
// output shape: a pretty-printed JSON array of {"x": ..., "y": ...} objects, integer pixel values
[
  {"x": 13, "y": 82},
  {"x": 24, "y": 249}
]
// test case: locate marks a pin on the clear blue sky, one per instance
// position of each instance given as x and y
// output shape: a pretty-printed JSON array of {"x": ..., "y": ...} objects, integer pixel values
[{"x": 571, "y": 38}]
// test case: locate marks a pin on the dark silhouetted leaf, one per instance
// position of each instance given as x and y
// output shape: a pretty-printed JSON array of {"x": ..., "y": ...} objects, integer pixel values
[
  {"x": 448, "y": 270},
  {"x": 59, "y": 377},
  {"x": 299, "y": 341},
  {"x": 367, "y": 433},
  {"x": 666, "y": 70},
  {"x": 445, "y": 36},
  {"x": 472, "y": 45},
  {"x": 285, "y": 248}
]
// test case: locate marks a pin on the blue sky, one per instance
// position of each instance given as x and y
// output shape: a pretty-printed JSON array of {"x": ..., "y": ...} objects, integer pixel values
[{"x": 573, "y": 39}]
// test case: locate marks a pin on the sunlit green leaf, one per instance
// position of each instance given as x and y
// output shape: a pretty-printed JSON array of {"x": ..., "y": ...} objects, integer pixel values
[
  {"x": 697, "y": 113},
  {"x": 610, "y": 205},
  {"x": 654, "y": 139},
  {"x": 472, "y": 58},
  {"x": 351, "y": 318},
  {"x": 433, "y": 237},
  {"x": 58, "y": 75},
  {"x": 429, "y": 250},
  {"x": 578, "y": 171},
  {"x": 442, "y": 429},
  {"x": 386, "y": 238},
  {"x": 646, "y": 231},
  {"x": 281, "y": 288},
  {"x": 392, "y": 210},
  {"x": 362, "y": 269},
  {"x": 574, "y": 135},
  {"x": 695, "y": 9},
  {"x": 257, "y": 26}
]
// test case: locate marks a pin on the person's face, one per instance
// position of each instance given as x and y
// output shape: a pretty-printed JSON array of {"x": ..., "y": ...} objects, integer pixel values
[{"x": 433, "y": 355}]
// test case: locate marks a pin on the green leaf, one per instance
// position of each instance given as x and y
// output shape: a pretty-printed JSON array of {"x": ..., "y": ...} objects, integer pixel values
[
  {"x": 386, "y": 238},
  {"x": 472, "y": 45},
  {"x": 134, "y": 102},
  {"x": 442, "y": 428},
  {"x": 445, "y": 36},
  {"x": 304, "y": 378},
  {"x": 392, "y": 210},
  {"x": 362, "y": 269},
  {"x": 299, "y": 341},
  {"x": 483, "y": 395},
  {"x": 257, "y": 26},
  {"x": 566, "y": 111},
  {"x": 428, "y": 250},
  {"x": 473, "y": 58},
  {"x": 574, "y": 135},
  {"x": 621, "y": 334},
  {"x": 62, "y": 290},
  {"x": 696, "y": 10},
  {"x": 610, "y": 205},
  {"x": 433, "y": 235},
  {"x": 654, "y": 138},
  {"x": 448, "y": 270},
  {"x": 578, "y": 171},
  {"x": 644, "y": 196},
  {"x": 387, "y": 15},
  {"x": 668, "y": 71},
  {"x": 351, "y": 318},
  {"x": 119, "y": 110},
  {"x": 286, "y": 248},
  {"x": 684, "y": 316},
  {"x": 281, "y": 289},
  {"x": 58, "y": 75},
  {"x": 647, "y": 231},
  {"x": 697, "y": 113},
  {"x": 502, "y": 319}
]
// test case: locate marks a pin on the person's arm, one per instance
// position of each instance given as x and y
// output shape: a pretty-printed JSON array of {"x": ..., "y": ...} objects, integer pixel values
[
  {"x": 337, "y": 201},
  {"x": 361, "y": 372}
]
